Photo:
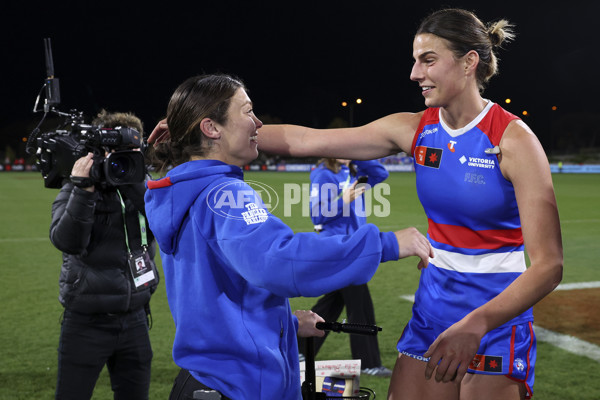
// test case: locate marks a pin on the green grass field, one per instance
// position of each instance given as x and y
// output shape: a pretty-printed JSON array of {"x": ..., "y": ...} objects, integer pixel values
[{"x": 30, "y": 310}]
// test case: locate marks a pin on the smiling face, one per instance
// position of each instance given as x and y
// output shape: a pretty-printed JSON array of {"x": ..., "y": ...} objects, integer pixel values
[
  {"x": 441, "y": 76},
  {"x": 238, "y": 136}
]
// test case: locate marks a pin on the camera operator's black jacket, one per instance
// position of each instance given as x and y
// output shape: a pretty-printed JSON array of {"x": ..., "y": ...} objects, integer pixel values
[{"x": 88, "y": 228}]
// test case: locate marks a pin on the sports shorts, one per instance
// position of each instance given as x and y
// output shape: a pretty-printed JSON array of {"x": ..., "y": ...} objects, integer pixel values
[{"x": 509, "y": 350}]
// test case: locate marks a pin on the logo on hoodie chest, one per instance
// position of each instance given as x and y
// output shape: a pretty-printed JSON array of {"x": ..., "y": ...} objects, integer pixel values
[
  {"x": 242, "y": 200},
  {"x": 254, "y": 215}
]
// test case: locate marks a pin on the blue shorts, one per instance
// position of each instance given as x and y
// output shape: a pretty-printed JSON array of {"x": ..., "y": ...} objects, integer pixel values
[{"x": 507, "y": 350}]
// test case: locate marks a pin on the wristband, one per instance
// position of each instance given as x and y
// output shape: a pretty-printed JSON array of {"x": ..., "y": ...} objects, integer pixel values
[{"x": 81, "y": 182}]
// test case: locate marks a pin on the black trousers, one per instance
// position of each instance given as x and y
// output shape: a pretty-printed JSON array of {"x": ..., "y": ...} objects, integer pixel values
[
  {"x": 185, "y": 385},
  {"x": 88, "y": 342},
  {"x": 359, "y": 310}
]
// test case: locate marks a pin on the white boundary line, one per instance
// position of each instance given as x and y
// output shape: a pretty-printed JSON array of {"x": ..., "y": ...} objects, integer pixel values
[
  {"x": 578, "y": 285},
  {"x": 408, "y": 297},
  {"x": 387, "y": 227},
  {"x": 566, "y": 342}
]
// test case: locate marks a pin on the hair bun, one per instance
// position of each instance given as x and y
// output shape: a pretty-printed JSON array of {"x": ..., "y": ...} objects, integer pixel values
[
  {"x": 500, "y": 32},
  {"x": 495, "y": 38}
]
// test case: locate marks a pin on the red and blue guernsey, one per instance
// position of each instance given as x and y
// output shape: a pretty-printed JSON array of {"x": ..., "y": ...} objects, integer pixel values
[{"x": 474, "y": 223}]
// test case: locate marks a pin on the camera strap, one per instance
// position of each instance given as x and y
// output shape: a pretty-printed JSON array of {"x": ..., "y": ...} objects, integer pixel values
[{"x": 143, "y": 270}]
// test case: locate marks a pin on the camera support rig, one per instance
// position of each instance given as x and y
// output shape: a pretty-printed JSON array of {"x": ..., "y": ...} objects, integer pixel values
[
  {"x": 309, "y": 391},
  {"x": 115, "y": 160}
]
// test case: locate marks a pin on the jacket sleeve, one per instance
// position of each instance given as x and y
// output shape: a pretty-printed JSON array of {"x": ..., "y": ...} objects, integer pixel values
[
  {"x": 72, "y": 219},
  {"x": 268, "y": 254},
  {"x": 373, "y": 169},
  {"x": 326, "y": 202}
]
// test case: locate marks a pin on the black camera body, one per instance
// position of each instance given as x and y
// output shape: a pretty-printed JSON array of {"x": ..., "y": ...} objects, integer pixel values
[{"x": 118, "y": 159}]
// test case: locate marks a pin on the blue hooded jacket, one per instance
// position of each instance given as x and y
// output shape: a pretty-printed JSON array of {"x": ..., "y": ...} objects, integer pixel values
[
  {"x": 229, "y": 269},
  {"x": 328, "y": 211}
]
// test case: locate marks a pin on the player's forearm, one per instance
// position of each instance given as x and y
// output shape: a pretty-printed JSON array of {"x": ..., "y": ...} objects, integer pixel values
[
  {"x": 527, "y": 290},
  {"x": 282, "y": 139}
]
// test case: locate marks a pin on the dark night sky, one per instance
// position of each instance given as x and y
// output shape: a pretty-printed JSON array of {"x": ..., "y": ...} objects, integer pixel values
[{"x": 299, "y": 60}]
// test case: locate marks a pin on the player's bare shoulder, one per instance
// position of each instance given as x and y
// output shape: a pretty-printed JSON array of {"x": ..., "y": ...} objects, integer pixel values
[
  {"x": 520, "y": 150},
  {"x": 517, "y": 138}
]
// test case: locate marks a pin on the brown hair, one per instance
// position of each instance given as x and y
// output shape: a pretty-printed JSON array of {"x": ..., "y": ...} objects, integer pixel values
[
  {"x": 199, "y": 97},
  {"x": 334, "y": 165},
  {"x": 107, "y": 119},
  {"x": 465, "y": 32}
]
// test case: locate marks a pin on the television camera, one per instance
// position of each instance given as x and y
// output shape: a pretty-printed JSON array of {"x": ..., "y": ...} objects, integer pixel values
[{"x": 118, "y": 156}]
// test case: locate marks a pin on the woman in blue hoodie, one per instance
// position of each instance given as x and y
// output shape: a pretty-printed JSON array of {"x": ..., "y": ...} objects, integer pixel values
[{"x": 229, "y": 265}]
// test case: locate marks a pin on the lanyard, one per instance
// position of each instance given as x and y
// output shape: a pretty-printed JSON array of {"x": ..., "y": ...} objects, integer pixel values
[
  {"x": 344, "y": 186},
  {"x": 142, "y": 222}
]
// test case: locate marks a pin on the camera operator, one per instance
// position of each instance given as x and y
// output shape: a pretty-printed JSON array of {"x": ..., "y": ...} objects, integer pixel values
[{"x": 101, "y": 230}]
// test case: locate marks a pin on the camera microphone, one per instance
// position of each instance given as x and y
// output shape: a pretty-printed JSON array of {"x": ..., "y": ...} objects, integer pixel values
[
  {"x": 359, "y": 329},
  {"x": 52, "y": 84},
  {"x": 52, "y": 98}
]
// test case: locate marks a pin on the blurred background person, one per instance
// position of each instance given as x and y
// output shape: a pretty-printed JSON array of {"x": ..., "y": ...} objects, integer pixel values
[{"x": 338, "y": 208}]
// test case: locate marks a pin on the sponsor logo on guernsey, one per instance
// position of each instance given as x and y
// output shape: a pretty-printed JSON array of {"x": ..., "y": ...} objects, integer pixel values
[
  {"x": 478, "y": 162},
  {"x": 428, "y": 156},
  {"x": 486, "y": 363},
  {"x": 428, "y": 132},
  {"x": 451, "y": 146}
]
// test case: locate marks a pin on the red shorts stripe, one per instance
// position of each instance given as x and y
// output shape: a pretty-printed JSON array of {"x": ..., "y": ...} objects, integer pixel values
[{"x": 512, "y": 350}]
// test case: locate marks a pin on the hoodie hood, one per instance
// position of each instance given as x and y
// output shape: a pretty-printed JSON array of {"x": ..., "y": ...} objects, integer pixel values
[{"x": 169, "y": 199}]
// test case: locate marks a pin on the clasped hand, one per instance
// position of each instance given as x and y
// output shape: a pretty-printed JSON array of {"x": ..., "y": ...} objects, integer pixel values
[{"x": 307, "y": 323}]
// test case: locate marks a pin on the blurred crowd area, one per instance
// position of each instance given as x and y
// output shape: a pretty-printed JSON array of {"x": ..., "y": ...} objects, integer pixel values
[{"x": 587, "y": 156}]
